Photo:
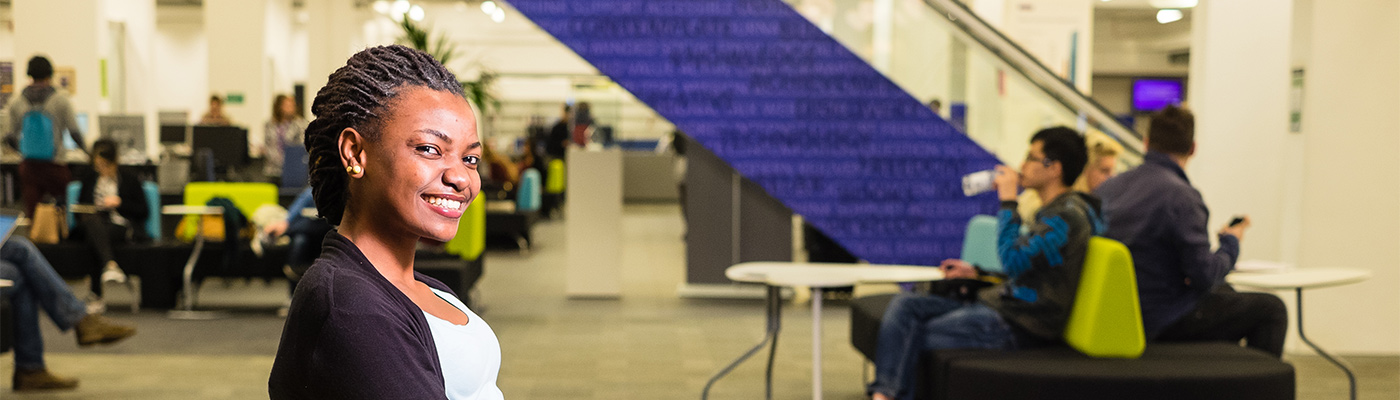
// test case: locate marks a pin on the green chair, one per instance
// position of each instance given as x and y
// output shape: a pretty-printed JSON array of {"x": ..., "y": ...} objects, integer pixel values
[
  {"x": 471, "y": 232},
  {"x": 1106, "y": 320},
  {"x": 555, "y": 181}
]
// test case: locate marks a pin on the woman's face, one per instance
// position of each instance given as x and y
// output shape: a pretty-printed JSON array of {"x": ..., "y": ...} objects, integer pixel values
[
  {"x": 287, "y": 106},
  {"x": 421, "y": 172},
  {"x": 1100, "y": 171}
]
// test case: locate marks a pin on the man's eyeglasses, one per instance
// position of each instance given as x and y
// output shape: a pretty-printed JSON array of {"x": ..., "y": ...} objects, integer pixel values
[{"x": 1042, "y": 160}]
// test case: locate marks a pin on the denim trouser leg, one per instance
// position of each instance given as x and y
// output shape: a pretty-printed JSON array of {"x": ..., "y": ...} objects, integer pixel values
[
  {"x": 43, "y": 283},
  {"x": 29, "y": 342},
  {"x": 913, "y": 324}
]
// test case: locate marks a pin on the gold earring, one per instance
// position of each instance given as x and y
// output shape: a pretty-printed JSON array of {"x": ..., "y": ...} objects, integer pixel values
[{"x": 354, "y": 169}]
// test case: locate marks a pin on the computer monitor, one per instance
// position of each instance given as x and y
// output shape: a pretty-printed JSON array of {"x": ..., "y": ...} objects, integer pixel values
[
  {"x": 295, "y": 171},
  {"x": 174, "y": 133},
  {"x": 228, "y": 144},
  {"x": 129, "y": 131},
  {"x": 68, "y": 143}
]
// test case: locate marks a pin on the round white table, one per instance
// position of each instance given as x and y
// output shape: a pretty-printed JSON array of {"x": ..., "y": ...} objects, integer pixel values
[
  {"x": 1305, "y": 278},
  {"x": 187, "y": 311},
  {"x": 818, "y": 276}
]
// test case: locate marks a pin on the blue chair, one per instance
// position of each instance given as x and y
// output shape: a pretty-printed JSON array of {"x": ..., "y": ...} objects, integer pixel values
[
  {"x": 980, "y": 243},
  {"x": 527, "y": 197},
  {"x": 152, "y": 201}
]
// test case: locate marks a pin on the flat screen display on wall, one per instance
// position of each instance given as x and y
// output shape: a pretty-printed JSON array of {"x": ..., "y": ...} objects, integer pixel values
[{"x": 1156, "y": 93}]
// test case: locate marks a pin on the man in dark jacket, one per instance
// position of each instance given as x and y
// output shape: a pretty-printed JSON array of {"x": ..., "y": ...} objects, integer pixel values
[
  {"x": 1162, "y": 219},
  {"x": 1042, "y": 266}
]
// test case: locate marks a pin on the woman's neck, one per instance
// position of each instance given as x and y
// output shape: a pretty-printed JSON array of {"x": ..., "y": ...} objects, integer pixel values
[{"x": 389, "y": 252}]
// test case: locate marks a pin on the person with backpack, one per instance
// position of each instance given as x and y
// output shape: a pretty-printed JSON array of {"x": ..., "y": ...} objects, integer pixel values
[{"x": 37, "y": 122}]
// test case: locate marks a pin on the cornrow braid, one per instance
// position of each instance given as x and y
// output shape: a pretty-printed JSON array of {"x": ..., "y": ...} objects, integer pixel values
[{"x": 358, "y": 96}]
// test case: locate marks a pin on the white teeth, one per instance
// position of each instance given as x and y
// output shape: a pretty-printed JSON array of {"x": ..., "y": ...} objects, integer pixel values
[{"x": 445, "y": 203}]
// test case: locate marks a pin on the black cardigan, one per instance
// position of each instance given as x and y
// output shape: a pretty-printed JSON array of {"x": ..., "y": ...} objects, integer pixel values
[
  {"x": 350, "y": 334},
  {"x": 133, "y": 207}
]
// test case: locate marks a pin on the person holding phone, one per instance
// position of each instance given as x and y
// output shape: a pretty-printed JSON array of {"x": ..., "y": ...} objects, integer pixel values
[
  {"x": 1031, "y": 307},
  {"x": 1162, "y": 219}
]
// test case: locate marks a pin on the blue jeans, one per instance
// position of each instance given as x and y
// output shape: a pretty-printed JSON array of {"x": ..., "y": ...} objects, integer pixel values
[
  {"x": 916, "y": 323},
  {"x": 36, "y": 285}
]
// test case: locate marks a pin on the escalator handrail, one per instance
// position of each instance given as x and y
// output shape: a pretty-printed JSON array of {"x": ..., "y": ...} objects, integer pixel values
[{"x": 1030, "y": 67}]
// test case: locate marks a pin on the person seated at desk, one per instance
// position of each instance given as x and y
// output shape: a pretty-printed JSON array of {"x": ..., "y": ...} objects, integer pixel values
[
  {"x": 286, "y": 128},
  {"x": 1181, "y": 283},
  {"x": 120, "y": 213},
  {"x": 37, "y": 286},
  {"x": 215, "y": 116},
  {"x": 1029, "y": 309}
]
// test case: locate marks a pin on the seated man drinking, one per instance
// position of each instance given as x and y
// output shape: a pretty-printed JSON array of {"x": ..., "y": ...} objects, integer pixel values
[{"x": 1032, "y": 306}]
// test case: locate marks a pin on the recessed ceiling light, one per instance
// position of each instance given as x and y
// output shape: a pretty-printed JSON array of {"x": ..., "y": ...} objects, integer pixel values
[
  {"x": 1168, "y": 16},
  {"x": 488, "y": 7},
  {"x": 1173, "y": 3}
]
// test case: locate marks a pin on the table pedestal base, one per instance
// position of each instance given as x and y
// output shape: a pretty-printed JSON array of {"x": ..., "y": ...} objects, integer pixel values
[
  {"x": 770, "y": 338},
  {"x": 1351, "y": 378}
]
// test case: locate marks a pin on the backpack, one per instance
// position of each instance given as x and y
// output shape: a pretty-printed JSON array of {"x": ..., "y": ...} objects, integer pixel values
[{"x": 36, "y": 140}]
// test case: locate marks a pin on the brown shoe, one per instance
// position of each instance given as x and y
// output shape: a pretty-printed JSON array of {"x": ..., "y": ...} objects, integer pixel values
[
  {"x": 95, "y": 329},
  {"x": 41, "y": 379}
]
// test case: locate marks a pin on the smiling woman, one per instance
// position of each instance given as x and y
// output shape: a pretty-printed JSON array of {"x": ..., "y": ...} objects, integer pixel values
[{"x": 394, "y": 152}]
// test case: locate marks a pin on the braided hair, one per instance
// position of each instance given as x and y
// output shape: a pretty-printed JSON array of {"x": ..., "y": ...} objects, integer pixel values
[{"x": 358, "y": 96}]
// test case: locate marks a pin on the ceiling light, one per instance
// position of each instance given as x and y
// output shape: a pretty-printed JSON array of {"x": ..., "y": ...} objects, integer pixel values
[
  {"x": 1168, "y": 16},
  {"x": 381, "y": 7},
  {"x": 1173, "y": 3},
  {"x": 499, "y": 15},
  {"x": 488, "y": 7},
  {"x": 416, "y": 13},
  {"x": 400, "y": 7}
]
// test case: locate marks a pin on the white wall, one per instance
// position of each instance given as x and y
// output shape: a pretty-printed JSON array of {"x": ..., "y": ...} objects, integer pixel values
[
  {"x": 1241, "y": 104},
  {"x": 74, "y": 43},
  {"x": 182, "y": 61},
  {"x": 1130, "y": 42},
  {"x": 1351, "y": 182}
]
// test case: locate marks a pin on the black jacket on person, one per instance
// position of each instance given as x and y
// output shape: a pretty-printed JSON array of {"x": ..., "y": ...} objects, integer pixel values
[
  {"x": 350, "y": 334},
  {"x": 134, "y": 207},
  {"x": 554, "y": 145}
]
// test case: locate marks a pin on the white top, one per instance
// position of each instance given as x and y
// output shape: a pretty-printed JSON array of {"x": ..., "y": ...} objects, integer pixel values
[
  {"x": 1299, "y": 278},
  {"x": 469, "y": 354},
  {"x": 828, "y": 274}
]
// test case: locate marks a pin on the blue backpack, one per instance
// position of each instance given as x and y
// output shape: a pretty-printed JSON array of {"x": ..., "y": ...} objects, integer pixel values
[{"x": 36, "y": 134}]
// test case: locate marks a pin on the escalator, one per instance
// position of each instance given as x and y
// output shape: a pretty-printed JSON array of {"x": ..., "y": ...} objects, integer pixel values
[{"x": 816, "y": 126}]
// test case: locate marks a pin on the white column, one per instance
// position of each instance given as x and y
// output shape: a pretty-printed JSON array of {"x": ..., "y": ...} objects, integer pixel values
[
  {"x": 1240, "y": 99},
  {"x": 334, "y": 33},
  {"x": 1351, "y": 179},
  {"x": 137, "y": 21},
  {"x": 249, "y": 44},
  {"x": 68, "y": 33}
]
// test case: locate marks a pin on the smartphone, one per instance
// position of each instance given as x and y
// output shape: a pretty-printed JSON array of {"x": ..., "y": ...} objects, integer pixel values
[{"x": 1236, "y": 221}]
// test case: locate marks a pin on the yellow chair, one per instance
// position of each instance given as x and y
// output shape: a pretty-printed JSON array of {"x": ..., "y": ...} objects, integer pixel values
[
  {"x": 247, "y": 196},
  {"x": 471, "y": 232},
  {"x": 1106, "y": 320},
  {"x": 555, "y": 182}
]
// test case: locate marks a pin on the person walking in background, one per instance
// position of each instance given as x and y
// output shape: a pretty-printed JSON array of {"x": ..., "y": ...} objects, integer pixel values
[
  {"x": 37, "y": 122},
  {"x": 286, "y": 128},
  {"x": 215, "y": 115},
  {"x": 36, "y": 287}
]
